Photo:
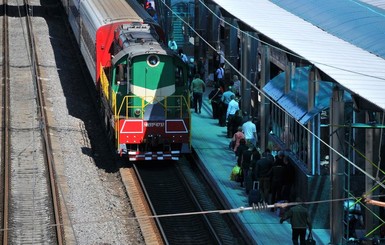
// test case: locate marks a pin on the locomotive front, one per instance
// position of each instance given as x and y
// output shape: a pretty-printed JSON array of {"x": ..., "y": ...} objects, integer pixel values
[{"x": 149, "y": 97}]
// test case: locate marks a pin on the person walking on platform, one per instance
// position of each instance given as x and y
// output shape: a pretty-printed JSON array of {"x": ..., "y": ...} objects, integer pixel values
[
  {"x": 215, "y": 99},
  {"x": 300, "y": 221},
  {"x": 250, "y": 131},
  {"x": 262, "y": 172},
  {"x": 198, "y": 88},
  {"x": 277, "y": 176},
  {"x": 232, "y": 108}
]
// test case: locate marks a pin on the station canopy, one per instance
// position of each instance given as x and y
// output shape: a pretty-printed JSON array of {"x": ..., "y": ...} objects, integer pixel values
[
  {"x": 357, "y": 66},
  {"x": 295, "y": 102}
]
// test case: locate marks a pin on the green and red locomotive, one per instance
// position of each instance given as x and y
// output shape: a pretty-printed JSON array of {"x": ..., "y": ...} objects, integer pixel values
[{"x": 142, "y": 84}]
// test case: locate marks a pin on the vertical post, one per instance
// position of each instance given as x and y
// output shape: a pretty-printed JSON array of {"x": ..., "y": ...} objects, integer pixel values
[
  {"x": 287, "y": 134},
  {"x": 313, "y": 157},
  {"x": 265, "y": 104},
  {"x": 337, "y": 166},
  {"x": 369, "y": 154}
]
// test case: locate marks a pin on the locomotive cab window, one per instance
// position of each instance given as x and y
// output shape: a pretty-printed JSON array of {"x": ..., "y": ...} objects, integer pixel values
[
  {"x": 121, "y": 73},
  {"x": 153, "y": 60}
]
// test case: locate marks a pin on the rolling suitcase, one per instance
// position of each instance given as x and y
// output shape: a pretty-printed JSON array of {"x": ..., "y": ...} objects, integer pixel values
[{"x": 254, "y": 194}]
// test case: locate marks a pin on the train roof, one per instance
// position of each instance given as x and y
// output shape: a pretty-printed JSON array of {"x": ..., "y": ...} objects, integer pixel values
[
  {"x": 138, "y": 41},
  {"x": 106, "y": 12}
]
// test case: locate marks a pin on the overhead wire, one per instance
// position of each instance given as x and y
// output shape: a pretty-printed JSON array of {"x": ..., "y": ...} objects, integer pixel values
[
  {"x": 262, "y": 92},
  {"x": 255, "y": 207}
]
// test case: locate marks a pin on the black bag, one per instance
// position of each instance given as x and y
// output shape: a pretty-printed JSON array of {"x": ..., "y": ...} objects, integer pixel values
[
  {"x": 310, "y": 240},
  {"x": 232, "y": 144}
]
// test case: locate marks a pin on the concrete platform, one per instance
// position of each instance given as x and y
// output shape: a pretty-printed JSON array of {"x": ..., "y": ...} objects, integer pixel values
[{"x": 216, "y": 160}]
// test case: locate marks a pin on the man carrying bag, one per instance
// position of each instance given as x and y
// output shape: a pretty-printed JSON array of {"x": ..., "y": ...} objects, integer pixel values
[{"x": 300, "y": 220}]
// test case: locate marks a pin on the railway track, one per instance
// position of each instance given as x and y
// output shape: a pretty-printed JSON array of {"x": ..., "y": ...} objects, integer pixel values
[
  {"x": 30, "y": 211},
  {"x": 178, "y": 188}
]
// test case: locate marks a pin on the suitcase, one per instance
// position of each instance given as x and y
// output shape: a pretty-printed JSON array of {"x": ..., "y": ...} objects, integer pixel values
[
  {"x": 255, "y": 196},
  {"x": 281, "y": 211}
]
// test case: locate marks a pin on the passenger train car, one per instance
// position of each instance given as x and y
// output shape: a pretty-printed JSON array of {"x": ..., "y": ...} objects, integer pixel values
[{"x": 141, "y": 84}]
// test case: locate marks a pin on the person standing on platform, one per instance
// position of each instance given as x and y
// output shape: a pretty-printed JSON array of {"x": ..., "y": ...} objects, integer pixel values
[
  {"x": 241, "y": 148},
  {"x": 250, "y": 131},
  {"x": 237, "y": 138},
  {"x": 151, "y": 11},
  {"x": 192, "y": 70},
  {"x": 183, "y": 56},
  {"x": 353, "y": 216},
  {"x": 262, "y": 174},
  {"x": 232, "y": 108},
  {"x": 219, "y": 77},
  {"x": 300, "y": 221},
  {"x": 246, "y": 162},
  {"x": 172, "y": 44},
  {"x": 215, "y": 99},
  {"x": 288, "y": 180},
  {"x": 198, "y": 88},
  {"x": 236, "y": 122},
  {"x": 226, "y": 98},
  {"x": 202, "y": 68},
  {"x": 277, "y": 176},
  {"x": 236, "y": 86}
]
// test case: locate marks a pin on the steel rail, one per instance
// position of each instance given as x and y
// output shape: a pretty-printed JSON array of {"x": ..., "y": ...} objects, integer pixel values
[
  {"x": 151, "y": 206},
  {"x": 5, "y": 142},
  {"x": 44, "y": 124}
]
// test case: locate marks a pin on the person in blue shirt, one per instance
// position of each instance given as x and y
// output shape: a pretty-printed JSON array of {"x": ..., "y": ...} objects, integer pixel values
[
  {"x": 172, "y": 44},
  {"x": 183, "y": 56},
  {"x": 353, "y": 216}
]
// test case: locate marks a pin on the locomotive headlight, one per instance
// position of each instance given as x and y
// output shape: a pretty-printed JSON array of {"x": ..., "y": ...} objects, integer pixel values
[
  {"x": 137, "y": 112},
  {"x": 152, "y": 60}
]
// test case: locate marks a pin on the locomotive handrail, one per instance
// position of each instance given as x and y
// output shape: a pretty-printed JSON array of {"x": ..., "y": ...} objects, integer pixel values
[
  {"x": 161, "y": 100},
  {"x": 126, "y": 101}
]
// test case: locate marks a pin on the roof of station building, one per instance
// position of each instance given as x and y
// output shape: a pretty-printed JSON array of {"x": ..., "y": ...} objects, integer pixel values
[{"x": 340, "y": 52}]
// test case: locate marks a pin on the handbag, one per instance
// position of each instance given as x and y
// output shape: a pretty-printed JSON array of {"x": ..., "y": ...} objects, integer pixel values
[
  {"x": 240, "y": 176},
  {"x": 310, "y": 240},
  {"x": 235, "y": 172}
]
